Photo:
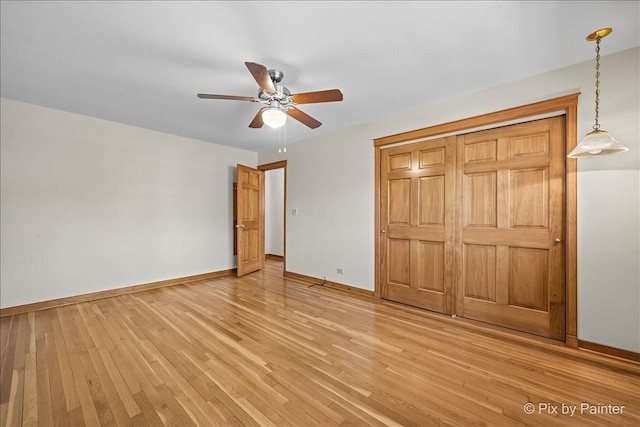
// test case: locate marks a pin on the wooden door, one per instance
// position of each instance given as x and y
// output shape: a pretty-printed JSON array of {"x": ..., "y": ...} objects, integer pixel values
[
  {"x": 510, "y": 187},
  {"x": 417, "y": 224},
  {"x": 250, "y": 220}
]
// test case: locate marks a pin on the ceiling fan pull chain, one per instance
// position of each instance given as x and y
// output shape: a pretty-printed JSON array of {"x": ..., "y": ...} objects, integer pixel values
[{"x": 285, "y": 137}]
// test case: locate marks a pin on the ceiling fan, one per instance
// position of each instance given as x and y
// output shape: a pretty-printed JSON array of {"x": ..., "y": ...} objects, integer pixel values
[{"x": 278, "y": 101}]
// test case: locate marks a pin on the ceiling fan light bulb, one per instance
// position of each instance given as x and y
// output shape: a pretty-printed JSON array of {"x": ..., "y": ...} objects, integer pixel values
[
  {"x": 274, "y": 117},
  {"x": 597, "y": 143}
]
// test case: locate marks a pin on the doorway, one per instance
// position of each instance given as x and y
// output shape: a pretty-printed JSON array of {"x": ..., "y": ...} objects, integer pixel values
[{"x": 275, "y": 210}]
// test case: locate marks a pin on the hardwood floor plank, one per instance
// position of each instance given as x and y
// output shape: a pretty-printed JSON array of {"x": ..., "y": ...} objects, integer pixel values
[
  {"x": 226, "y": 396},
  {"x": 16, "y": 397},
  {"x": 139, "y": 420},
  {"x": 316, "y": 402},
  {"x": 30, "y": 399},
  {"x": 5, "y": 330},
  {"x": 193, "y": 410},
  {"x": 116, "y": 405},
  {"x": 45, "y": 409},
  {"x": 96, "y": 392},
  {"x": 73, "y": 343},
  {"x": 223, "y": 412},
  {"x": 255, "y": 400},
  {"x": 76, "y": 417},
  {"x": 172, "y": 379},
  {"x": 8, "y": 357},
  {"x": 148, "y": 409},
  {"x": 119, "y": 383},
  {"x": 177, "y": 413},
  {"x": 14, "y": 409},
  {"x": 64, "y": 363},
  {"x": 263, "y": 350},
  {"x": 57, "y": 393}
]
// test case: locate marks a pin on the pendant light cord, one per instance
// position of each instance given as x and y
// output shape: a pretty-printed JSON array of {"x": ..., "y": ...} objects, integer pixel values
[{"x": 596, "y": 126}]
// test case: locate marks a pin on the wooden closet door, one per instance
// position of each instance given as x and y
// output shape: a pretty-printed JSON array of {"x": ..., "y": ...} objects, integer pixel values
[
  {"x": 510, "y": 251},
  {"x": 417, "y": 224}
]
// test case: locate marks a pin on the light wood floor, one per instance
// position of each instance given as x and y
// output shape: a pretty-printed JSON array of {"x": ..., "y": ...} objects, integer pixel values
[{"x": 263, "y": 351}]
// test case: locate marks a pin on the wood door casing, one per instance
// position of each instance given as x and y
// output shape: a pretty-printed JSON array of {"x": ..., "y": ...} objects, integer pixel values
[
  {"x": 250, "y": 220},
  {"x": 235, "y": 218},
  {"x": 417, "y": 224},
  {"x": 282, "y": 164},
  {"x": 510, "y": 189}
]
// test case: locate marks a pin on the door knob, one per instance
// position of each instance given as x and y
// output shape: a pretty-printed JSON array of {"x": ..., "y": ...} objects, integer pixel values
[
  {"x": 383, "y": 231},
  {"x": 558, "y": 241},
  {"x": 239, "y": 225}
]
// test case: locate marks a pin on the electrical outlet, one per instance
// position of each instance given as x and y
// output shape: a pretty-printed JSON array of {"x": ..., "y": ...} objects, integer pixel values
[{"x": 339, "y": 270}]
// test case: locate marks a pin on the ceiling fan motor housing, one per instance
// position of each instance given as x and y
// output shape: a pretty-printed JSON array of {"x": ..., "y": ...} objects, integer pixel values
[
  {"x": 282, "y": 94},
  {"x": 276, "y": 75}
]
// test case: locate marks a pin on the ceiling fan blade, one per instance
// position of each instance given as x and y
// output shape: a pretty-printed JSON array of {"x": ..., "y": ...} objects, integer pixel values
[
  {"x": 261, "y": 74},
  {"x": 319, "y": 96},
  {"x": 257, "y": 120},
  {"x": 231, "y": 97},
  {"x": 303, "y": 118}
]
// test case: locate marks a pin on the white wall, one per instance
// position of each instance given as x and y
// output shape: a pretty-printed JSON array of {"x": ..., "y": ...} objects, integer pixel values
[
  {"x": 274, "y": 212},
  {"x": 331, "y": 182},
  {"x": 89, "y": 205}
]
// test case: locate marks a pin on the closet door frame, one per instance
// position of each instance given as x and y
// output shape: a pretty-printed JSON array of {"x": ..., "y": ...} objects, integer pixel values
[{"x": 565, "y": 105}]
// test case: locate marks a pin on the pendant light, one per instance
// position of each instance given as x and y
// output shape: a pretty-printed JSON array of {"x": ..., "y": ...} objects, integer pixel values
[{"x": 598, "y": 142}]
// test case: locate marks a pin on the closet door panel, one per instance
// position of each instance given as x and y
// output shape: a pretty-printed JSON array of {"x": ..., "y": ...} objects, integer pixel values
[
  {"x": 417, "y": 224},
  {"x": 511, "y": 228}
]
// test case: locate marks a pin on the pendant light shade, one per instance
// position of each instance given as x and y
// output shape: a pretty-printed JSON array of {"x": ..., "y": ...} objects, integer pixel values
[
  {"x": 598, "y": 142},
  {"x": 274, "y": 117}
]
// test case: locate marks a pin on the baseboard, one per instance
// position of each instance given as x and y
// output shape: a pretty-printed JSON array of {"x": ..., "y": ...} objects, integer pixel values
[
  {"x": 572, "y": 341},
  {"x": 274, "y": 257},
  {"x": 328, "y": 284},
  {"x": 612, "y": 351},
  {"x": 43, "y": 305}
]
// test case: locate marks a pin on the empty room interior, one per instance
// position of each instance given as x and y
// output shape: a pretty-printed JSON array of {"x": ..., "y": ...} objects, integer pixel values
[{"x": 305, "y": 213}]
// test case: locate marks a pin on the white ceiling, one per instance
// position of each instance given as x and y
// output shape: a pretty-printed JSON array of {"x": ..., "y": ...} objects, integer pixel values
[{"x": 142, "y": 63}]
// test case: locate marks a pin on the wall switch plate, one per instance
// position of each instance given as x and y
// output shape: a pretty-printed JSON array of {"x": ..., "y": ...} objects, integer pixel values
[
  {"x": 339, "y": 270},
  {"x": 294, "y": 211}
]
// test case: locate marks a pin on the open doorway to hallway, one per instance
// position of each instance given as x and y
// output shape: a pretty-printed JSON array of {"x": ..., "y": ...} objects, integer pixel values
[{"x": 275, "y": 210}]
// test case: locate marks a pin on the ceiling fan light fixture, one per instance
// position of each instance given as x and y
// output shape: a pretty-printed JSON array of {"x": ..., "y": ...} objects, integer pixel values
[{"x": 274, "y": 117}]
